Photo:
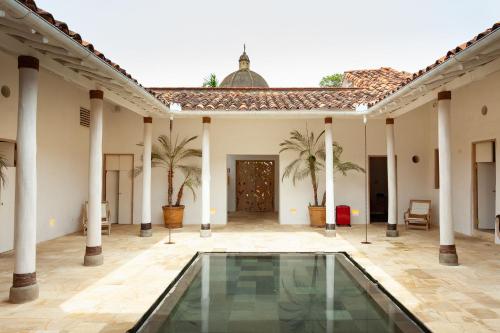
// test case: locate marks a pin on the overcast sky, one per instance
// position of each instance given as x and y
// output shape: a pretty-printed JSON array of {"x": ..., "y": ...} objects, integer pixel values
[{"x": 290, "y": 43}]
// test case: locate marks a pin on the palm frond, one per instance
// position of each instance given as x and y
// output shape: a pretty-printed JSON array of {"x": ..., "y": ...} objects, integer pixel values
[{"x": 3, "y": 168}]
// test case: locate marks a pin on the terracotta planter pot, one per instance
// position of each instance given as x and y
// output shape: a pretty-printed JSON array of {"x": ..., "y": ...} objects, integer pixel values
[
  {"x": 173, "y": 216},
  {"x": 317, "y": 216}
]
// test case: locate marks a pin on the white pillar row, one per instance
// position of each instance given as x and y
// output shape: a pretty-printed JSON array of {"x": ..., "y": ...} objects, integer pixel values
[
  {"x": 24, "y": 286},
  {"x": 93, "y": 250},
  {"x": 447, "y": 250},
  {"x": 329, "y": 179},
  {"x": 146, "y": 228},
  {"x": 205, "y": 179},
  {"x": 392, "y": 222}
]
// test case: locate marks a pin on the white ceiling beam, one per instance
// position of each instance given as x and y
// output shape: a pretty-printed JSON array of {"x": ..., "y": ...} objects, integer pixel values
[
  {"x": 15, "y": 47},
  {"x": 25, "y": 35},
  {"x": 46, "y": 47}
]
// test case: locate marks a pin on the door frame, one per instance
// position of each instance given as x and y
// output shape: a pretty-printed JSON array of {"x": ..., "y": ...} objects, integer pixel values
[
  {"x": 474, "y": 194},
  {"x": 238, "y": 176},
  {"x": 104, "y": 181},
  {"x": 368, "y": 189}
]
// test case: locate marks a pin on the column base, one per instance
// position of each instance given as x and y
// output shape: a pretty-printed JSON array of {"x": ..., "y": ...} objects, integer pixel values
[
  {"x": 392, "y": 233},
  {"x": 19, "y": 295},
  {"x": 146, "y": 230},
  {"x": 96, "y": 260},
  {"x": 205, "y": 231},
  {"x": 392, "y": 230},
  {"x": 448, "y": 255},
  {"x": 146, "y": 233},
  {"x": 93, "y": 256},
  {"x": 330, "y": 230}
]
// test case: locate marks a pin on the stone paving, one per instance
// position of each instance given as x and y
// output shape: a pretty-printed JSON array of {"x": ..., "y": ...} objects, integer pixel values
[{"x": 112, "y": 297}]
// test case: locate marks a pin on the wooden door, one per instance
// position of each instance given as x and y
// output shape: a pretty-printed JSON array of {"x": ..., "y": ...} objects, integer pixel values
[{"x": 255, "y": 186}]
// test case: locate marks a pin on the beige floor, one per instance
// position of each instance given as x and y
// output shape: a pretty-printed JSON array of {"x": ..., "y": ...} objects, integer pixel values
[{"x": 111, "y": 298}]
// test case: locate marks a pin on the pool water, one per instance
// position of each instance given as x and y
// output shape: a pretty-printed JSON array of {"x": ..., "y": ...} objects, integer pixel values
[{"x": 275, "y": 293}]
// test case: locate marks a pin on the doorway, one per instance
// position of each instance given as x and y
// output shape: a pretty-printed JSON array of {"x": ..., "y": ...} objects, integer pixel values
[
  {"x": 119, "y": 186},
  {"x": 484, "y": 185},
  {"x": 253, "y": 187},
  {"x": 378, "y": 189}
]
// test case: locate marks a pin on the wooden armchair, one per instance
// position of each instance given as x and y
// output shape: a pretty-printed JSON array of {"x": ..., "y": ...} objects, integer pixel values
[
  {"x": 419, "y": 214},
  {"x": 105, "y": 217}
]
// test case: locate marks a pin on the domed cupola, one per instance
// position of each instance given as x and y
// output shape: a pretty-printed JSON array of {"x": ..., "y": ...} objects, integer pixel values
[{"x": 244, "y": 77}]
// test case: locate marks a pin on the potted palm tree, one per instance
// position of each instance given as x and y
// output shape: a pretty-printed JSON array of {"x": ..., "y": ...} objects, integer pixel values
[
  {"x": 3, "y": 167},
  {"x": 173, "y": 156},
  {"x": 310, "y": 150}
]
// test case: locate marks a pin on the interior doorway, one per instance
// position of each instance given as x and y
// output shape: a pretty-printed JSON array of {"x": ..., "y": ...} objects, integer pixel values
[
  {"x": 119, "y": 186},
  {"x": 484, "y": 185},
  {"x": 253, "y": 187},
  {"x": 378, "y": 189}
]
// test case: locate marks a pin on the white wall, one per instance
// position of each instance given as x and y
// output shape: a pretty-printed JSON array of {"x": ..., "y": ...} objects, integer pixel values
[
  {"x": 123, "y": 130},
  {"x": 416, "y": 133},
  {"x": 62, "y": 156}
]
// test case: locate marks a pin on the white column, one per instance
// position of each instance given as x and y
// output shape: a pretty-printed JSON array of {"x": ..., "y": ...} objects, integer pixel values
[
  {"x": 205, "y": 179},
  {"x": 24, "y": 287},
  {"x": 146, "y": 229},
  {"x": 205, "y": 292},
  {"x": 330, "y": 292},
  {"x": 93, "y": 250},
  {"x": 329, "y": 178},
  {"x": 392, "y": 221},
  {"x": 447, "y": 250}
]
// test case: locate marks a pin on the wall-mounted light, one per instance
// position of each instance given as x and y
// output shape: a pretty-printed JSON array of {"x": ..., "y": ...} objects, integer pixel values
[
  {"x": 484, "y": 110},
  {"x": 5, "y": 90}
]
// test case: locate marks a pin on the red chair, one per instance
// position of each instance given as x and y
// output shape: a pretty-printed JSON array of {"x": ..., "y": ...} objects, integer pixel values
[{"x": 343, "y": 216}]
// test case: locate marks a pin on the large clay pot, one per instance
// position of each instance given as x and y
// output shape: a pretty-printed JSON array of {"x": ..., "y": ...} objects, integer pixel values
[
  {"x": 173, "y": 216},
  {"x": 317, "y": 216}
]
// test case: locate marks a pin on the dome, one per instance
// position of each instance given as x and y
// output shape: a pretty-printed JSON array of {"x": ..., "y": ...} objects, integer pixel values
[{"x": 244, "y": 77}]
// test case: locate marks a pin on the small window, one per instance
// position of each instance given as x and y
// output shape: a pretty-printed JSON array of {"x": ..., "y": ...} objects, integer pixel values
[
  {"x": 436, "y": 169},
  {"x": 84, "y": 117}
]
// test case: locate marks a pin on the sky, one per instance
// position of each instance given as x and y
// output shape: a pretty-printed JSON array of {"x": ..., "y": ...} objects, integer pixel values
[{"x": 290, "y": 43}]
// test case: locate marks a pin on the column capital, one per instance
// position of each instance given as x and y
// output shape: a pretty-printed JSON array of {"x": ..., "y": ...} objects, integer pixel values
[
  {"x": 206, "y": 120},
  {"x": 442, "y": 95},
  {"x": 328, "y": 120},
  {"x": 389, "y": 121},
  {"x": 96, "y": 94},
  {"x": 148, "y": 120},
  {"x": 24, "y": 61}
]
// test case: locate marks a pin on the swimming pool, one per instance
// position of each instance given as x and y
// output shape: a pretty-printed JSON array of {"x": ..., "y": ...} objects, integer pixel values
[{"x": 275, "y": 292}]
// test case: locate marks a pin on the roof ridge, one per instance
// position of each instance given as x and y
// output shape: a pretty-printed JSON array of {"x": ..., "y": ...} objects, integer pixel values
[{"x": 260, "y": 88}]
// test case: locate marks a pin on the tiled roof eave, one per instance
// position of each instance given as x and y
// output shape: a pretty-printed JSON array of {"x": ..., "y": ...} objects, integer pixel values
[
  {"x": 438, "y": 66},
  {"x": 59, "y": 31}
]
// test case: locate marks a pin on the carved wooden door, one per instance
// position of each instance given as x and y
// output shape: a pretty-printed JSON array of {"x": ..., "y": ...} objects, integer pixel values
[{"x": 255, "y": 186}]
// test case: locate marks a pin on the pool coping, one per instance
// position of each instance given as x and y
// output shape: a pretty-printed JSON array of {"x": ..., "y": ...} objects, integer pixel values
[{"x": 195, "y": 257}]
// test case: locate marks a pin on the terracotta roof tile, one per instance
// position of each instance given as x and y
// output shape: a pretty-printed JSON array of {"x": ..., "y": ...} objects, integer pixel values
[
  {"x": 450, "y": 54},
  {"x": 255, "y": 99},
  {"x": 379, "y": 81},
  {"x": 62, "y": 26}
]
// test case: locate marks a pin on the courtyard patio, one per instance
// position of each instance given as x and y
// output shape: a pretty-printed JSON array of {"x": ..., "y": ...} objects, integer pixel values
[{"x": 112, "y": 297}]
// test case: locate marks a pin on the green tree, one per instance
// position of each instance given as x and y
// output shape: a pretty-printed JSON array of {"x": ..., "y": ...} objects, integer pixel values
[
  {"x": 334, "y": 80},
  {"x": 310, "y": 159},
  {"x": 211, "y": 81}
]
